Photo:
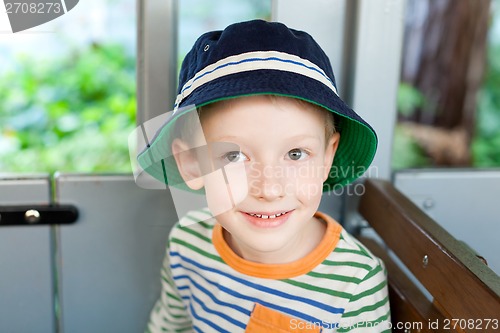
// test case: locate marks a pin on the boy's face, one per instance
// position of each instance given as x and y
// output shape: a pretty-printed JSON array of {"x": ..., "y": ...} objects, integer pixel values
[{"x": 285, "y": 159}]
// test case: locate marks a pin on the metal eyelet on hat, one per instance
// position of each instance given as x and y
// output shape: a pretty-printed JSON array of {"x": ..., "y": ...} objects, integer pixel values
[{"x": 205, "y": 49}]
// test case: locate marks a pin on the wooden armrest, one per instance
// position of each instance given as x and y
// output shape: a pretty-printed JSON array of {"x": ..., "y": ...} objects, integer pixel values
[
  {"x": 462, "y": 286},
  {"x": 408, "y": 303}
]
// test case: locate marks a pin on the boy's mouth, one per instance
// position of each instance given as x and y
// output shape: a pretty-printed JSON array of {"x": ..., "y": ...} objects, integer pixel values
[
  {"x": 268, "y": 215},
  {"x": 267, "y": 219}
]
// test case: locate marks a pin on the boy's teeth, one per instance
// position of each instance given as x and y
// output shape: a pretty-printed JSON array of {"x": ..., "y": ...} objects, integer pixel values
[{"x": 266, "y": 216}]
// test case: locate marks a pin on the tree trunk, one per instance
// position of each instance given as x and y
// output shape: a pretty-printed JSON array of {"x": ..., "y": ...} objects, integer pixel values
[{"x": 444, "y": 57}]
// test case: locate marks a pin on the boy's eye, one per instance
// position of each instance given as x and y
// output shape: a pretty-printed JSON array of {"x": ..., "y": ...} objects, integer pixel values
[
  {"x": 297, "y": 154},
  {"x": 234, "y": 156}
]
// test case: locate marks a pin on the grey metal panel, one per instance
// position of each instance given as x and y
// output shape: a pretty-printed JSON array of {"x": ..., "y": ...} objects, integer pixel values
[
  {"x": 26, "y": 301},
  {"x": 376, "y": 72},
  {"x": 156, "y": 57},
  {"x": 111, "y": 258},
  {"x": 464, "y": 202}
]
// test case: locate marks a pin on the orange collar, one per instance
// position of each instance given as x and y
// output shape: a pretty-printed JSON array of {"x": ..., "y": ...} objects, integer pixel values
[{"x": 280, "y": 271}]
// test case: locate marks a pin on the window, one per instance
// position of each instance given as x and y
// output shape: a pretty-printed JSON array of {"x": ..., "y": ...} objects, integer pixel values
[{"x": 67, "y": 93}]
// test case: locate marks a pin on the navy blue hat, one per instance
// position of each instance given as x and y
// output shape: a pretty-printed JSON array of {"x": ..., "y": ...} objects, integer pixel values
[{"x": 264, "y": 58}]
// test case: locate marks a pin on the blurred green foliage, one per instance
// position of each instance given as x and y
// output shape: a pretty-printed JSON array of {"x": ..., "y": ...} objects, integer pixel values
[
  {"x": 406, "y": 153},
  {"x": 409, "y": 99},
  {"x": 486, "y": 143},
  {"x": 70, "y": 113}
]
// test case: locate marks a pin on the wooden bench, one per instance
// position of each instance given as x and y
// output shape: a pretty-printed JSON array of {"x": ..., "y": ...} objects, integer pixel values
[{"x": 464, "y": 292}]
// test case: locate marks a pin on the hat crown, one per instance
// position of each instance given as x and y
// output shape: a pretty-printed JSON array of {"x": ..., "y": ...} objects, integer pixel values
[{"x": 250, "y": 36}]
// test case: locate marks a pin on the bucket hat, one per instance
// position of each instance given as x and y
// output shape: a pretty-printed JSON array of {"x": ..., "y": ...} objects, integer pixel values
[{"x": 262, "y": 58}]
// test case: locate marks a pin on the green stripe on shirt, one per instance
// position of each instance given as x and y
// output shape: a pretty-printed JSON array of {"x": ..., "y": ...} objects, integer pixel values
[{"x": 197, "y": 250}]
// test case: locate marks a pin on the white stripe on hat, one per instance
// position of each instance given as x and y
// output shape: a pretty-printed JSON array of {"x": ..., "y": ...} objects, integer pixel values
[{"x": 254, "y": 61}]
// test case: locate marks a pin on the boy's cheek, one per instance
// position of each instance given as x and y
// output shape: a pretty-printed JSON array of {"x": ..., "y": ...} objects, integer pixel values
[
  {"x": 226, "y": 187},
  {"x": 237, "y": 181},
  {"x": 218, "y": 198}
]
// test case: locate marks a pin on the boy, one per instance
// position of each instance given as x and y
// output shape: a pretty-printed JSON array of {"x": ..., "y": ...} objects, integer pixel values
[{"x": 261, "y": 258}]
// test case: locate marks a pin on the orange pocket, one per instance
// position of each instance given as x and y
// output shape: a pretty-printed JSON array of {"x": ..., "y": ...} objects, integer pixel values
[{"x": 265, "y": 320}]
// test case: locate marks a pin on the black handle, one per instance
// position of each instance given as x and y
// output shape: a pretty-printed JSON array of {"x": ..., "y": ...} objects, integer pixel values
[{"x": 38, "y": 215}]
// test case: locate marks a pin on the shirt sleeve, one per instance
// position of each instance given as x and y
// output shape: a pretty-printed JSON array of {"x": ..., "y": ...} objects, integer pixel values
[
  {"x": 169, "y": 313},
  {"x": 368, "y": 309}
]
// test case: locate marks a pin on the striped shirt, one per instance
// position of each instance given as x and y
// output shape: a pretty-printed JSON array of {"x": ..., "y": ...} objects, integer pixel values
[{"x": 338, "y": 287}]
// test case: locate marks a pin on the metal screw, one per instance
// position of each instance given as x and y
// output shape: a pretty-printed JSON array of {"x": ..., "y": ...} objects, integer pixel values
[
  {"x": 32, "y": 216},
  {"x": 425, "y": 261},
  {"x": 428, "y": 203},
  {"x": 407, "y": 330}
]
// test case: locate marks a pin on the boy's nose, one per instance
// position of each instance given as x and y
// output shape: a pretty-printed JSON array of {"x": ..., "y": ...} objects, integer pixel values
[{"x": 267, "y": 183}]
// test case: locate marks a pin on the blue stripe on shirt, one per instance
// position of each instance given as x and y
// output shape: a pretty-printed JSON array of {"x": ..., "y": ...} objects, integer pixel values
[
  {"x": 308, "y": 301},
  {"x": 215, "y": 300},
  {"x": 206, "y": 321},
  {"x": 235, "y": 294}
]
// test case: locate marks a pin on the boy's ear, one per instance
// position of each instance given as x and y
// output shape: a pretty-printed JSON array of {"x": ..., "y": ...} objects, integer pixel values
[
  {"x": 187, "y": 164},
  {"x": 330, "y": 150}
]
